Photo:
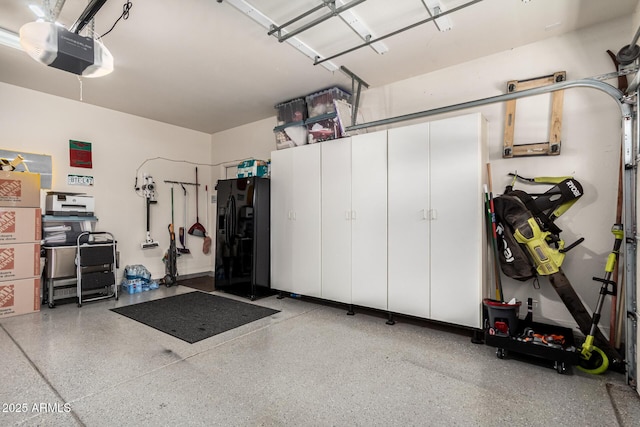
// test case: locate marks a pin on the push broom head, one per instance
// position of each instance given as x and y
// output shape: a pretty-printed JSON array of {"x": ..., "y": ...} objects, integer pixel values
[{"x": 149, "y": 243}]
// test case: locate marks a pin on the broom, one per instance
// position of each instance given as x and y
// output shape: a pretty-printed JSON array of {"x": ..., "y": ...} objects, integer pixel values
[{"x": 197, "y": 229}]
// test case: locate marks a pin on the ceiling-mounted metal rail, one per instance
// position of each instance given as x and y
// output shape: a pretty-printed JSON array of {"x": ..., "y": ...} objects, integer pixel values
[
  {"x": 401, "y": 30},
  {"x": 335, "y": 11},
  {"x": 87, "y": 15},
  {"x": 277, "y": 29},
  {"x": 357, "y": 89}
]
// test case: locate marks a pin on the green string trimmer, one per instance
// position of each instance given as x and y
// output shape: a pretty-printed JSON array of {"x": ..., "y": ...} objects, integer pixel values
[{"x": 592, "y": 359}]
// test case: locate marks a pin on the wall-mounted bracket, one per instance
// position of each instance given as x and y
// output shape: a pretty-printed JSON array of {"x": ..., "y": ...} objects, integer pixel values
[
  {"x": 355, "y": 90},
  {"x": 552, "y": 147}
]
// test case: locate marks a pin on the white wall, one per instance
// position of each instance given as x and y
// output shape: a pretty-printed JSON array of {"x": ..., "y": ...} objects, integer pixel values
[
  {"x": 590, "y": 140},
  {"x": 254, "y": 140},
  {"x": 34, "y": 122}
]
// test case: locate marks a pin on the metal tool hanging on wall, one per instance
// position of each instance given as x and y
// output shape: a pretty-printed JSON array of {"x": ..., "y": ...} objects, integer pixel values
[{"x": 149, "y": 191}]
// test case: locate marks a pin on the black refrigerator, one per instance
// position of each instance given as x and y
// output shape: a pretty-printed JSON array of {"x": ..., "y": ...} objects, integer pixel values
[{"x": 242, "y": 231}]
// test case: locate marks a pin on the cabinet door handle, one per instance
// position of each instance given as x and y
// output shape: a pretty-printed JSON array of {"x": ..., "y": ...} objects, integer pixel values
[
  {"x": 424, "y": 214},
  {"x": 289, "y": 215},
  {"x": 347, "y": 215},
  {"x": 434, "y": 214},
  {"x": 294, "y": 215},
  {"x": 353, "y": 215}
]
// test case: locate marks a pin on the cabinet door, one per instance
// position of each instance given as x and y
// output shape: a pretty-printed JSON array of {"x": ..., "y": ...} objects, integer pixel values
[
  {"x": 409, "y": 220},
  {"x": 369, "y": 220},
  {"x": 281, "y": 212},
  {"x": 336, "y": 220},
  {"x": 457, "y": 227},
  {"x": 306, "y": 260}
]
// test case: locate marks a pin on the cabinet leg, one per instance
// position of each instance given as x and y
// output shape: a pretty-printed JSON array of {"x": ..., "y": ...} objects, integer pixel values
[
  {"x": 477, "y": 337},
  {"x": 390, "y": 321},
  {"x": 280, "y": 295},
  {"x": 350, "y": 312}
]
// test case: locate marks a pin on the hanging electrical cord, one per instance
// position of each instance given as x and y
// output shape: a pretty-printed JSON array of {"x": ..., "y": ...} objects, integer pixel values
[
  {"x": 126, "y": 7},
  {"x": 137, "y": 189}
]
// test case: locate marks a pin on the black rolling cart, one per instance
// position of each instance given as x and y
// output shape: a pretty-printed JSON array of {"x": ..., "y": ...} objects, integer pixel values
[
  {"x": 528, "y": 338},
  {"x": 96, "y": 266}
]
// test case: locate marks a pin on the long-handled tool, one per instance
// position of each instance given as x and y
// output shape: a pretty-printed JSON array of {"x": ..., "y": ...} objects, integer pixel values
[
  {"x": 197, "y": 229},
  {"x": 592, "y": 359},
  {"x": 206, "y": 244},
  {"x": 171, "y": 264},
  {"x": 494, "y": 236},
  {"x": 181, "y": 230}
]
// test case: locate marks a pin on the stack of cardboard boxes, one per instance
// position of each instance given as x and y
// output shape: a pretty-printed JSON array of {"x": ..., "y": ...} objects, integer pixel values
[{"x": 20, "y": 238}]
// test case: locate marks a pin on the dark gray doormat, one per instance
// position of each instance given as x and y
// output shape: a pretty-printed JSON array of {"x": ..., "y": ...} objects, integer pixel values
[
  {"x": 204, "y": 283},
  {"x": 194, "y": 316}
]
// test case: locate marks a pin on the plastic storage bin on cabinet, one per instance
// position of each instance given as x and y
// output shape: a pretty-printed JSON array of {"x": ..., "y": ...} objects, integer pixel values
[
  {"x": 320, "y": 103},
  {"x": 291, "y": 135},
  {"x": 291, "y": 111},
  {"x": 323, "y": 128}
]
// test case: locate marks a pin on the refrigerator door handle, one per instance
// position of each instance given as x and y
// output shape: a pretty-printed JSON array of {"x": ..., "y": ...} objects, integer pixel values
[{"x": 226, "y": 224}]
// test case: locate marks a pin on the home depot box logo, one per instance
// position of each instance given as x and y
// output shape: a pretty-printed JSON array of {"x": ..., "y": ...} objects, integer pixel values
[
  {"x": 6, "y": 296},
  {"x": 8, "y": 222},
  {"x": 10, "y": 188},
  {"x": 7, "y": 259}
]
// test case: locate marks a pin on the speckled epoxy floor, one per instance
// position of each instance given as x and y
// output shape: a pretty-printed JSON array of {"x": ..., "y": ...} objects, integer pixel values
[{"x": 309, "y": 365}]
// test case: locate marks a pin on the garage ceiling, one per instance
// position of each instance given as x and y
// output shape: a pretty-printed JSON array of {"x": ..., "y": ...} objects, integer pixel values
[{"x": 207, "y": 66}]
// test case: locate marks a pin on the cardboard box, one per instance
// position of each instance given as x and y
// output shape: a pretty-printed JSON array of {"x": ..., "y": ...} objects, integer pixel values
[
  {"x": 250, "y": 168},
  {"x": 19, "y": 189},
  {"x": 19, "y": 261},
  {"x": 20, "y": 225},
  {"x": 19, "y": 297}
]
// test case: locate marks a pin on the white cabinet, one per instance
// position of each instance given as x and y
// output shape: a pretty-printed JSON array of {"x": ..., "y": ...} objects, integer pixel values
[
  {"x": 336, "y": 220},
  {"x": 409, "y": 220},
  {"x": 458, "y": 242},
  {"x": 354, "y": 220},
  {"x": 391, "y": 220},
  {"x": 281, "y": 230},
  {"x": 295, "y": 220},
  {"x": 369, "y": 220},
  {"x": 436, "y": 227}
]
